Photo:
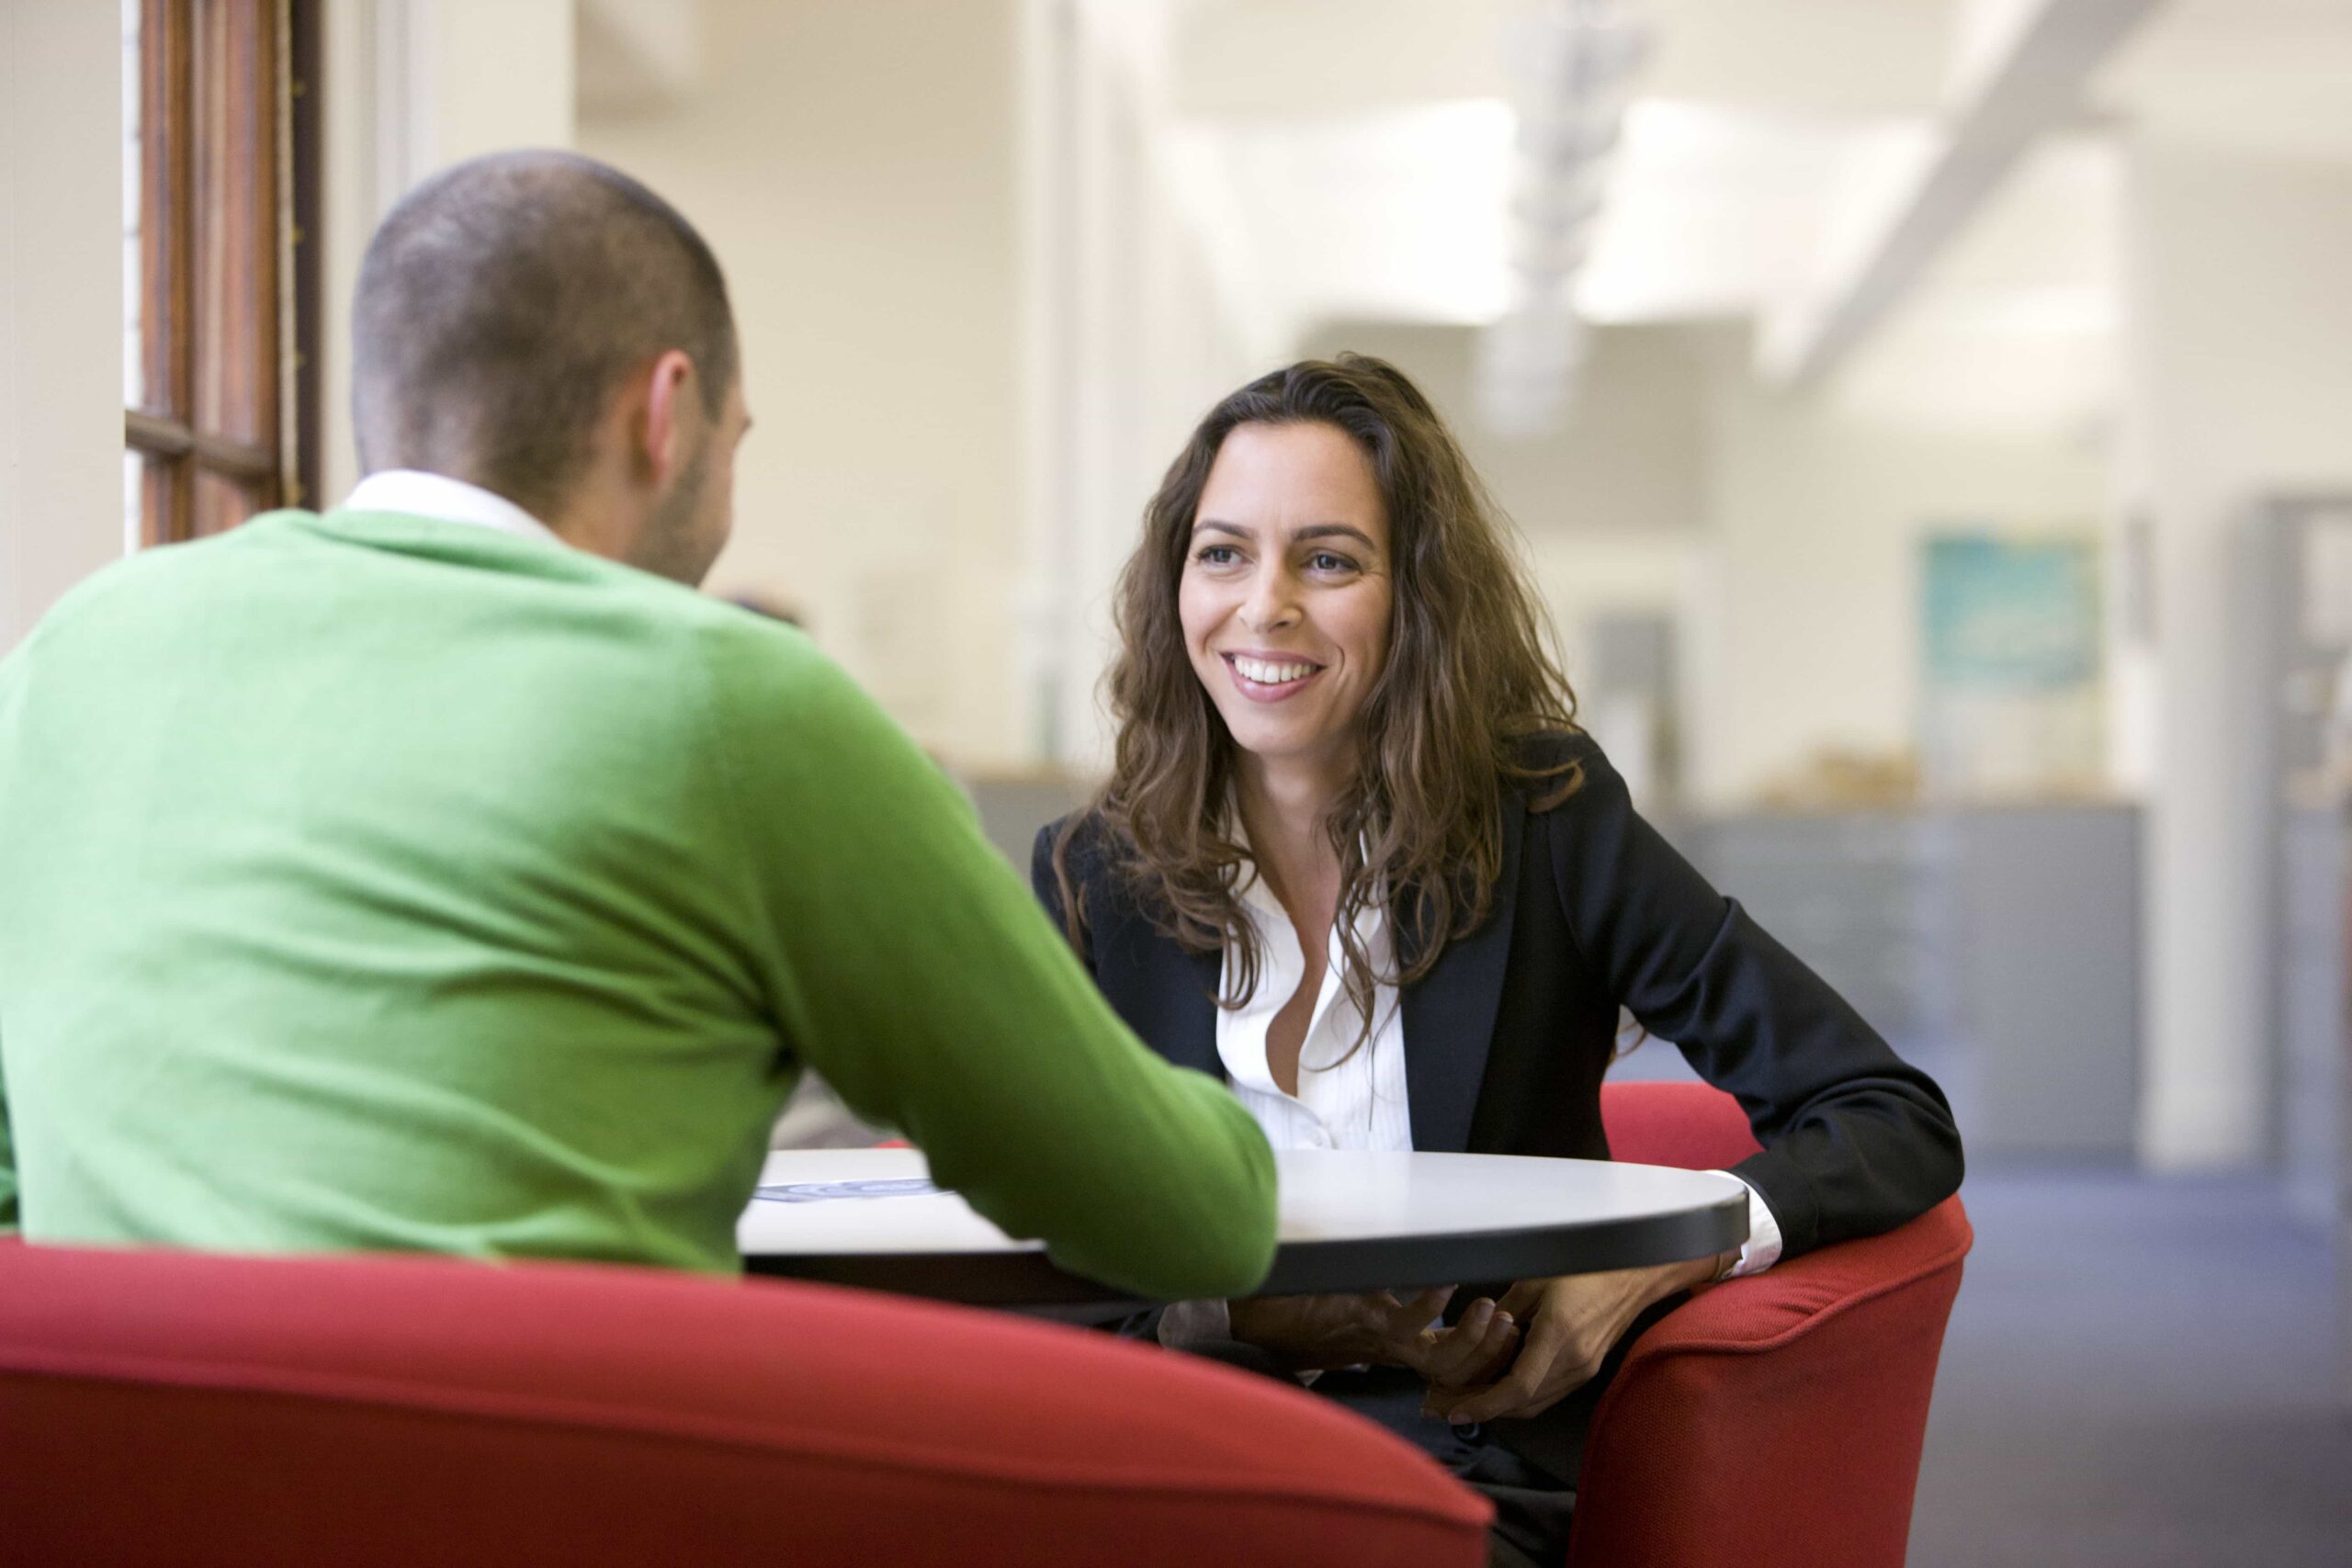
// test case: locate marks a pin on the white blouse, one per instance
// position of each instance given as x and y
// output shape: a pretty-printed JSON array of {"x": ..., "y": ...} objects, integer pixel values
[{"x": 1350, "y": 1096}]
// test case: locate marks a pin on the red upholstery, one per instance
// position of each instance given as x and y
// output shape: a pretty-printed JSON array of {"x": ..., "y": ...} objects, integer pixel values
[
  {"x": 1775, "y": 1420},
  {"x": 172, "y": 1407}
]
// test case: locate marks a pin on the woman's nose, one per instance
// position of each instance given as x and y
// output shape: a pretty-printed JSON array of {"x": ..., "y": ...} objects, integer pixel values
[{"x": 1273, "y": 602}]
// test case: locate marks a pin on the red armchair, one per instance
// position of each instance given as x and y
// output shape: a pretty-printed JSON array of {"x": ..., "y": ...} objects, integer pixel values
[
  {"x": 172, "y": 1407},
  {"x": 1771, "y": 1421}
]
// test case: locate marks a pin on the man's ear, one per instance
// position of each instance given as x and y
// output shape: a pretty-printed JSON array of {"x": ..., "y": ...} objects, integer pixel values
[{"x": 666, "y": 441}]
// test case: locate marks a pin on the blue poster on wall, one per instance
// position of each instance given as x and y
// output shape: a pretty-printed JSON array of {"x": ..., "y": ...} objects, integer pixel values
[
  {"x": 2009, "y": 657},
  {"x": 2014, "y": 614}
]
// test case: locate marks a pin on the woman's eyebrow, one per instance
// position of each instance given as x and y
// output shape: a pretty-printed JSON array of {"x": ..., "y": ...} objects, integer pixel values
[
  {"x": 1312, "y": 531},
  {"x": 1327, "y": 530}
]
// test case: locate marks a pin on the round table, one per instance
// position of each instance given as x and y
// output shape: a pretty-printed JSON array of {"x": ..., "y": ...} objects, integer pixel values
[{"x": 1350, "y": 1220}]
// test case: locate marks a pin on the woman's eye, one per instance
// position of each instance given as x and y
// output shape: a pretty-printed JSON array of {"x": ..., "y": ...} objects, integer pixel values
[
  {"x": 1217, "y": 555},
  {"x": 1324, "y": 560}
]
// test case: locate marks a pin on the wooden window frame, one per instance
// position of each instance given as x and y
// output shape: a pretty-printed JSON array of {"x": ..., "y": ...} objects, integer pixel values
[{"x": 228, "y": 149}]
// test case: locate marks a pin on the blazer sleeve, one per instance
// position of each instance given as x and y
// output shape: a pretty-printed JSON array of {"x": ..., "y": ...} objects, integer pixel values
[{"x": 1856, "y": 1140}]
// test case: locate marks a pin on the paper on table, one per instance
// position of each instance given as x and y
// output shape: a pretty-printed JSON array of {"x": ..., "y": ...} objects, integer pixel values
[{"x": 826, "y": 1191}]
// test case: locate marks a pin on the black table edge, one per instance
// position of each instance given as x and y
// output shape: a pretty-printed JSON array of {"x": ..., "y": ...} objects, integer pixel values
[{"x": 1405, "y": 1262}]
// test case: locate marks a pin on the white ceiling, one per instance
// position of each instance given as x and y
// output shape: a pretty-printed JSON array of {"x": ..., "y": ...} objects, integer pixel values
[
  {"x": 2269, "y": 75},
  {"x": 1388, "y": 213},
  {"x": 1719, "y": 210},
  {"x": 1366, "y": 147},
  {"x": 2015, "y": 327},
  {"x": 1353, "y": 160},
  {"x": 1363, "y": 149},
  {"x": 1239, "y": 59}
]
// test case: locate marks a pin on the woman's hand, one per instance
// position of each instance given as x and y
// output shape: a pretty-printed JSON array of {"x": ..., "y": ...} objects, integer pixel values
[
  {"x": 1570, "y": 1324},
  {"x": 1313, "y": 1333}
]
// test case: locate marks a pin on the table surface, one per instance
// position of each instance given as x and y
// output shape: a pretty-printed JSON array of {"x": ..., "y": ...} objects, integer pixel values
[{"x": 1350, "y": 1220}]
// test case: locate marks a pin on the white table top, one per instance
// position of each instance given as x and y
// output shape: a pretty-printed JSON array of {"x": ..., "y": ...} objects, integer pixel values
[{"x": 1349, "y": 1221}]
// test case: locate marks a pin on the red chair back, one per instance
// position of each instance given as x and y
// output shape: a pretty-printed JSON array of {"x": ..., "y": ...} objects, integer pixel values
[
  {"x": 172, "y": 1407},
  {"x": 1769, "y": 1422}
]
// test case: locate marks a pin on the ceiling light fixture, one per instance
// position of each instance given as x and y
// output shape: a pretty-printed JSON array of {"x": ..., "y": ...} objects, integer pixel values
[{"x": 1572, "y": 63}]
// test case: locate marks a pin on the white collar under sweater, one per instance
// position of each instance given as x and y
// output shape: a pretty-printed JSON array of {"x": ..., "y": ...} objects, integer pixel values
[{"x": 421, "y": 495}]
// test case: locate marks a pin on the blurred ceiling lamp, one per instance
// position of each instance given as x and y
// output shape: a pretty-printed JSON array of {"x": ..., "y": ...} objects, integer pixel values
[{"x": 1572, "y": 64}]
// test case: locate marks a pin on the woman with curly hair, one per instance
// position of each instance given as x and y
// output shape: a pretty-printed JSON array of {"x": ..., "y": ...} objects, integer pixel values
[{"x": 1355, "y": 857}]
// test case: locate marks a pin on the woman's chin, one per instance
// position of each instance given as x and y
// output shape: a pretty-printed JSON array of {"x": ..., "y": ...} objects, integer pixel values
[{"x": 1280, "y": 744}]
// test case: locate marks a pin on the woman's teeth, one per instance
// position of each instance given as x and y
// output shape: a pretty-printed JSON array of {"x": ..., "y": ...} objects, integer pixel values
[{"x": 1267, "y": 674}]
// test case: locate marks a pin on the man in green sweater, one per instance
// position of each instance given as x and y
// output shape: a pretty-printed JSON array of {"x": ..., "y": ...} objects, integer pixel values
[{"x": 443, "y": 873}]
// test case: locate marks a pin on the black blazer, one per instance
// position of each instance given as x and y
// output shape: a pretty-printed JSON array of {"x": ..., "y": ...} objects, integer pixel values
[{"x": 1508, "y": 1036}]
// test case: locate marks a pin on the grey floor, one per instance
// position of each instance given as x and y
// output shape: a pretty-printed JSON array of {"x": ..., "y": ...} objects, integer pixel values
[{"x": 2138, "y": 1372}]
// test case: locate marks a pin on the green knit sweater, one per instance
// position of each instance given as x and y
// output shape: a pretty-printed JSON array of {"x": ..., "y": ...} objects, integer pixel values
[{"x": 374, "y": 881}]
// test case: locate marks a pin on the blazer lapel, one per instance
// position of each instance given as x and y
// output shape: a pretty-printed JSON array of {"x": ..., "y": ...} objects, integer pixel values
[
  {"x": 1166, "y": 995},
  {"x": 1190, "y": 1003},
  {"x": 1450, "y": 1012}
]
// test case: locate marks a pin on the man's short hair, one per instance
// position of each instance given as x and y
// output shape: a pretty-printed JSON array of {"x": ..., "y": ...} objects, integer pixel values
[{"x": 499, "y": 305}]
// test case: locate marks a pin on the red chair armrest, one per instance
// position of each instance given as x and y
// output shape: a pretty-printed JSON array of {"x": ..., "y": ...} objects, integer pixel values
[
  {"x": 1711, "y": 1440},
  {"x": 1803, "y": 1294}
]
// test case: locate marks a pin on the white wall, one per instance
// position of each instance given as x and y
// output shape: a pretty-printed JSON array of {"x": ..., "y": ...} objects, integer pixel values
[
  {"x": 1131, "y": 336},
  {"x": 1780, "y": 530},
  {"x": 1630, "y": 460},
  {"x": 411, "y": 86},
  {"x": 854, "y": 163},
  {"x": 488, "y": 75},
  {"x": 61, "y": 301},
  {"x": 1808, "y": 635},
  {"x": 2240, "y": 339}
]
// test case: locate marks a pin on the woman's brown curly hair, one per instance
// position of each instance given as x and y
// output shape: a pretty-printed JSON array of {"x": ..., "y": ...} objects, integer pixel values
[{"x": 1467, "y": 682}]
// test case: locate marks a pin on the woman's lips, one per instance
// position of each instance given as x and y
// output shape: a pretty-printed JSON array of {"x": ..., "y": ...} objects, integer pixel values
[{"x": 1273, "y": 680}]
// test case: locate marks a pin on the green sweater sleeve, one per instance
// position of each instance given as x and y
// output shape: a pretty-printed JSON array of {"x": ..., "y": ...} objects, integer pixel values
[
  {"x": 9, "y": 1218},
  {"x": 912, "y": 968}
]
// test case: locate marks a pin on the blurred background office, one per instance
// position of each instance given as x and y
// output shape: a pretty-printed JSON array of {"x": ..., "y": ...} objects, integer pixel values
[{"x": 1930, "y": 421}]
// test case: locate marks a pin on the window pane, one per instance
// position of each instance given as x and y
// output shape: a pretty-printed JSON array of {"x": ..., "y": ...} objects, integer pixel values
[
  {"x": 134, "y": 368},
  {"x": 222, "y": 502},
  {"x": 134, "y": 501},
  {"x": 234, "y": 207}
]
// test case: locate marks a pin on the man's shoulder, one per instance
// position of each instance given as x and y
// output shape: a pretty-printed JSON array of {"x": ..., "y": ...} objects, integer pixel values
[
  {"x": 144, "y": 581},
  {"x": 751, "y": 658}
]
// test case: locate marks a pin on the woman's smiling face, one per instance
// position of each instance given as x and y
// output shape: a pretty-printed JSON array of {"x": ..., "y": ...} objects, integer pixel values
[{"x": 1286, "y": 590}]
